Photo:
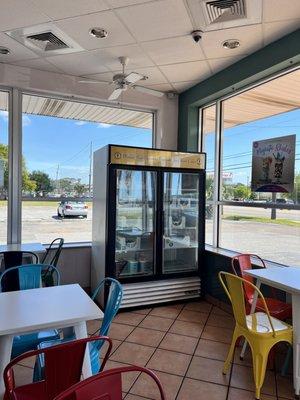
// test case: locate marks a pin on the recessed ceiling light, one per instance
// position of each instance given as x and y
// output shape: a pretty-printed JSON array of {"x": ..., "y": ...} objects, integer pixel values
[
  {"x": 98, "y": 33},
  {"x": 4, "y": 51},
  {"x": 231, "y": 44}
]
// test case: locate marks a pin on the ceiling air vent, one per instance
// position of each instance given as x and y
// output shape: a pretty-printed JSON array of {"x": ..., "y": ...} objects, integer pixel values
[
  {"x": 224, "y": 10},
  {"x": 47, "y": 41}
]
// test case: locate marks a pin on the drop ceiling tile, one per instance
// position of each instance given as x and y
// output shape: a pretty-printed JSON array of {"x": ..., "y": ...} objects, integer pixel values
[
  {"x": 190, "y": 71},
  {"x": 279, "y": 10},
  {"x": 163, "y": 87},
  {"x": 275, "y": 30},
  {"x": 217, "y": 64},
  {"x": 175, "y": 50},
  {"x": 17, "y": 14},
  {"x": 182, "y": 86},
  {"x": 18, "y": 51},
  {"x": 156, "y": 20},
  {"x": 124, "y": 3},
  {"x": 104, "y": 76},
  {"x": 83, "y": 63},
  {"x": 59, "y": 9},
  {"x": 251, "y": 39},
  {"x": 137, "y": 58},
  {"x": 78, "y": 29},
  {"x": 38, "y": 63}
]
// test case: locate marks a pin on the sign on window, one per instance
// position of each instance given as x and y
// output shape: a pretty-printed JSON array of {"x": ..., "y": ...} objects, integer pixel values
[{"x": 273, "y": 164}]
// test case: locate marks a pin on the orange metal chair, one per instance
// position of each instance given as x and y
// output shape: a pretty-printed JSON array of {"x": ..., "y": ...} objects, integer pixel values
[{"x": 277, "y": 308}]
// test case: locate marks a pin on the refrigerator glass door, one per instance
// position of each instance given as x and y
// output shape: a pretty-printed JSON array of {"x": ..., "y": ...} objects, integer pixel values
[
  {"x": 135, "y": 223},
  {"x": 180, "y": 222}
]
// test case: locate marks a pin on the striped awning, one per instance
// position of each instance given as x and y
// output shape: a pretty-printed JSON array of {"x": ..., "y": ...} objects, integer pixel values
[
  {"x": 272, "y": 98},
  {"x": 66, "y": 109}
]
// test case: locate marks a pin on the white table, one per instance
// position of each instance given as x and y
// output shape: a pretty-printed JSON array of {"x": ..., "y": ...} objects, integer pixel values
[
  {"x": 40, "y": 309},
  {"x": 34, "y": 247},
  {"x": 287, "y": 279}
]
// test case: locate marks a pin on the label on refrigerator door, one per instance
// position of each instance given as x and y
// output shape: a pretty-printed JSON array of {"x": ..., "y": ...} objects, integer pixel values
[{"x": 122, "y": 155}]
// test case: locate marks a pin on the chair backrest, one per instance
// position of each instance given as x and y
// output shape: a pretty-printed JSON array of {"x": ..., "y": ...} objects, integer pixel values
[
  {"x": 13, "y": 259},
  {"x": 241, "y": 263},
  {"x": 106, "y": 386},
  {"x": 234, "y": 288},
  {"x": 113, "y": 301},
  {"x": 52, "y": 255},
  {"x": 29, "y": 276},
  {"x": 63, "y": 366}
]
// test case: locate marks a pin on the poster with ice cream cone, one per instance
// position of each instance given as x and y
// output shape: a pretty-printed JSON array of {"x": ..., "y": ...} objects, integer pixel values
[{"x": 273, "y": 164}]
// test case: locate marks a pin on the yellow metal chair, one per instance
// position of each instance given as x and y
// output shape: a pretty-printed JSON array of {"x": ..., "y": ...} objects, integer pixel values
[{"x": 260, "y": 330}]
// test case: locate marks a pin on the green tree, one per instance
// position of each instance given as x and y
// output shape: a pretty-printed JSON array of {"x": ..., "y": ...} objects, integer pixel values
[
  {"x": 241, "y": 191},
  {"x": 28, "y": 185},
  {"x": 42, "y": 181},
  {"x": 79, "y": 188},
  {"x": 209, "y": 185}
]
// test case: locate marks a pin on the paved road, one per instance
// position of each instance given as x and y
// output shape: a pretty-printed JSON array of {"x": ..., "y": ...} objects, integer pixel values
[{"x": 273, "y": 241}]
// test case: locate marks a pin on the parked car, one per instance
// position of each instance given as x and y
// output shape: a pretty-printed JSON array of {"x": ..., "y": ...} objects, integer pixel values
[
  {"x": 72, "y": 209},
  {"x": 284, "y": 201}
]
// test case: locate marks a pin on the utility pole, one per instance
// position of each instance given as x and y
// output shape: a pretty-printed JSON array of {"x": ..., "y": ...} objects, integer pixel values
[
  {"x": 56, "y": 180},
  {"x": 90, "y": 173}
]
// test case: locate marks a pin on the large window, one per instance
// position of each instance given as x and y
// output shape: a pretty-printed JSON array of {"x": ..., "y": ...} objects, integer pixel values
[
  {"x": 4, "y": 96},
  {"x": 59, "y": 138},
  {"x": 263, "y": 223}
]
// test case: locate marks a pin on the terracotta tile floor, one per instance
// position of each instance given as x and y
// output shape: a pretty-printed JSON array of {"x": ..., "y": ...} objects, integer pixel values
[{"x": 185, "y": 344}]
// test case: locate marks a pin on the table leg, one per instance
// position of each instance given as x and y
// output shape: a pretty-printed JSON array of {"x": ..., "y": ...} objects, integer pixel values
[
  {"x": 5, "y": 354},
  {"x": 252, "y": 310},
  {"x": 81, "y": 333},
  {"x": 296, "y": 342}
]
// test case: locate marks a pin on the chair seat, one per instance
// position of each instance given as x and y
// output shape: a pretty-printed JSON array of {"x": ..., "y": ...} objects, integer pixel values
[
  {"x": 259, "y": 322},
  {"x": 277, "y": 308},
  {"x": 24, "y": 343}
]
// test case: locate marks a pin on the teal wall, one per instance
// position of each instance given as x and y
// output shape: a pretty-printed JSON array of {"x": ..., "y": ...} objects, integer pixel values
[{"x": 275, "y": 57}]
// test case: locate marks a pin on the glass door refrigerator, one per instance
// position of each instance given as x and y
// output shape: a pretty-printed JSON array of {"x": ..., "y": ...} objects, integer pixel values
[{"x": 148, "y": 222}]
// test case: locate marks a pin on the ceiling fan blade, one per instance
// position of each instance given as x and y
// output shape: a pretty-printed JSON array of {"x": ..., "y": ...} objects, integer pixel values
[
  {"x": 134, "y": 77},
  {"x": 115, "y": 94},
  {"x": 91, "y": 81},
  {"x": 148, "y": 91}
]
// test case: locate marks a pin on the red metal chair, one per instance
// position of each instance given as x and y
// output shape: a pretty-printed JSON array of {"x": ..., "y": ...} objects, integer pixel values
[
  {"x": 105, "y": 386},
  {"x": 63, "y": 365},
  {"x": 278, "y": 309}
]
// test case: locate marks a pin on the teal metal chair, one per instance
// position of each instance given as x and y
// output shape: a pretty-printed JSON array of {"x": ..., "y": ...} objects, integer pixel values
[
  {"x": 30, "y": 277},
  {"x": 114, "y": 292}
]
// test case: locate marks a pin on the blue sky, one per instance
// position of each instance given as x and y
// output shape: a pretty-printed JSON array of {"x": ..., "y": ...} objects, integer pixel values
[{"x": 49, "y": 142}]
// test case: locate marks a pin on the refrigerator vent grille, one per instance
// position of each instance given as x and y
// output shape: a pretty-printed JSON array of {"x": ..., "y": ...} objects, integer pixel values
[{"x": 145, "y": 293}]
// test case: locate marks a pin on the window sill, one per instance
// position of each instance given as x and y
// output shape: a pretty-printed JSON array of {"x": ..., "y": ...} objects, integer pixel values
[
  {"x": 231, "y": 253},
  {"x": 70, "y": 245}
]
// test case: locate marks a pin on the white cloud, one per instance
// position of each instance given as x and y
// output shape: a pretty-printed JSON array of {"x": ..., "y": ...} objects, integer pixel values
[
  {"x": 80, "y": 123},
  {"x": 103, "y": 125},
  {"x": 26, "y": 120}
]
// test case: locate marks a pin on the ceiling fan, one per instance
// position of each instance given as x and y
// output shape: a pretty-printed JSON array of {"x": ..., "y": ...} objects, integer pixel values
[{"x": 124, "y": 81}]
